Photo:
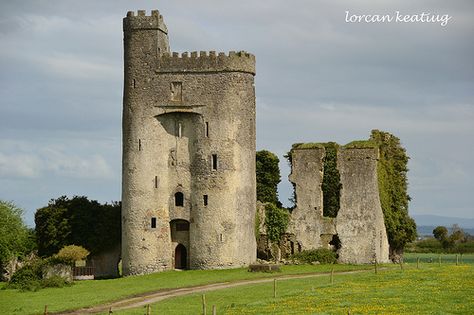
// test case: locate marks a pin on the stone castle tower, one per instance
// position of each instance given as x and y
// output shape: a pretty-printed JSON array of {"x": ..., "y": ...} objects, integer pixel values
[{"x": 188, "y": 182}]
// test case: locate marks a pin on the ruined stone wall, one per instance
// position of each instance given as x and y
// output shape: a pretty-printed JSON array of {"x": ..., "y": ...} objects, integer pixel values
[
  {"x": 189, "y": 128},
  {"x": 307, "y": 221},
  {"x": 360, "y": 223}
]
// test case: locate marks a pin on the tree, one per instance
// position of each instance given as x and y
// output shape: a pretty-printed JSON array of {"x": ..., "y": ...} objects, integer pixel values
[
  {"x": 276, "y": 221},
  {"x": 268, "y": 177},
  {"x": 79, "y": 221},
  {"x": 440, "y": 233},
  {"x": 393, "y": 190},
  {"x": 14, "y": 235}
]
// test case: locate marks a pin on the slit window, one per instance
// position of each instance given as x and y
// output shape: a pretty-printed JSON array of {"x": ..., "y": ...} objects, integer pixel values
[
  {"x": 139, "y": 144},
  {"x": 179, "y": 199},
  {"x": 180, "y": 129},
  {"x": 214, "y": 161},
  {"x": 156, "y": 181},
  {"x": 207, "y": 129},
  {"x": 205, "y": 199},
  {"x": 134, "y": 83},
  {"x": 153, "y": 223}
]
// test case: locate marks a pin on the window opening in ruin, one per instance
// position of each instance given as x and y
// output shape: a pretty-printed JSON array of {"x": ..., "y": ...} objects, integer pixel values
[
  {"x": 176, "y": 91},
  {"x": 139, "y": 144},
  {"x": 179, "y": 199},
  {"x": 205, "y": 199},
  {"x": 292, "y": 247},
  {"x": 134, "y": 83},
  {"x": 335, "y": 242},
  {"x": 182, "y": 226},
  {"x": 299, "y": 248},
  {"x": 153, "y": 223},
  {"x": 207, "y": 129},
  {"x": 156, "y": 181},
  {"x": 179, "y": 130},
  {"x": 214, "y": 161},
  {"x": 221, "y": 237}
]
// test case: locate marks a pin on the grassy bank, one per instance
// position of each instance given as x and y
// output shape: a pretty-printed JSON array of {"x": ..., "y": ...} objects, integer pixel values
[
  {"x": 428, "y": 290},
  {"x": 95, "y": 292}
]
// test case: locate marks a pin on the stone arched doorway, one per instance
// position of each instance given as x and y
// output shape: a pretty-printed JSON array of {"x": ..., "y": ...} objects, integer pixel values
[{"x": 180, "y": 257}]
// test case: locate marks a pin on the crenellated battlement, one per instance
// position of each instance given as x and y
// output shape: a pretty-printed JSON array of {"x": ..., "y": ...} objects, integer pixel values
[
  {"x": 144, "y": 22},
  {"x": 207, "y": 61}
]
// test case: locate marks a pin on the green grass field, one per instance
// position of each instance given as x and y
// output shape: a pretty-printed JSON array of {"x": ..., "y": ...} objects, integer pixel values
[
  {"x": 95, "y": 292},
  {"x": 429, "y": 290},
  {"x": 451, "y": 285}
]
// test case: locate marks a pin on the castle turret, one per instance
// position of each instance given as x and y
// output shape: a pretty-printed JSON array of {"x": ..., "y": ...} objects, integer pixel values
[{"x": 188, "y": 188}]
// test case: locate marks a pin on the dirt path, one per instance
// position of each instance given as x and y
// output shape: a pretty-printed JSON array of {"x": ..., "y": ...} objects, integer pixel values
[{"x": 160, "y": 295}]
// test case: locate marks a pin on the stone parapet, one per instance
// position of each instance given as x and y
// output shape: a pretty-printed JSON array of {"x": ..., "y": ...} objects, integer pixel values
[
  {"x": 141, "y": 21},
  {"x": 204, "y": 61}
]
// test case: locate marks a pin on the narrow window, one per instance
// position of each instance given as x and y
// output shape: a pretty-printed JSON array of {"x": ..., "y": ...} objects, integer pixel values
[
  {"x": 179, "y": 199},
  {"x": 139, "y": 144},
  {"x": 156, "y": 181},
  {"x": 134, "y": 83},
  {"x": 221, "y": 237},
  {"x": 176, "y": 91},
  {"x": 205, "y": 199},
  {"x": 153, "y": 223},
  {"x": 214, "y": 161},
  {"x": 207, "y": 129},
  {"x": 179, "y": 130}
]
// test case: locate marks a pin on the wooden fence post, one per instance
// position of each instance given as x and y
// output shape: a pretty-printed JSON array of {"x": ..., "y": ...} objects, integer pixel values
[
  {"x": 110, "y": 310},
  {"x": 274, "y": 288},
  {"x": 148, "y": 309},
  {"x": 417, "y": 262},
  {"x": 204, "y": 304},
  {"x": 46, "y": 310},
  {"x": 214, "y": 310},
  {"x": 332, "y": 275}
]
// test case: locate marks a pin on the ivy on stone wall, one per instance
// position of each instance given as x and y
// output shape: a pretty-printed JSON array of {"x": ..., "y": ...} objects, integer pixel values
[
  {"x": 268, "y": 177},
  {"x": 393, "y": 190},
  {"x": 276, "y": 221},
  {"x": 331, "y": 185}
]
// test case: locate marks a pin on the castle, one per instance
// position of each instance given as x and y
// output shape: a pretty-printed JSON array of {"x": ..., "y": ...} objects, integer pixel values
[{"x": 188, "y": 182}]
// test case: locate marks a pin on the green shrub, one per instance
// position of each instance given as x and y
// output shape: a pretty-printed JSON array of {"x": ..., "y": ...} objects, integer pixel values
[
  {"x": 323, "y": 255},
  {"x": 73, "y": 253},
  {"x": 55, "y": 282},
  {"x": 27, "y": 278}
]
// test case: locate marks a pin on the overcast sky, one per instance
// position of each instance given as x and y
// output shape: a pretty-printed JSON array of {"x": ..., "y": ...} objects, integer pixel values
[{"x": 318, "y": 79}]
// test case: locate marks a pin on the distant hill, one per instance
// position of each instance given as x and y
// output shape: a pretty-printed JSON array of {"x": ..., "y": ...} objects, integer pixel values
[
  {"x": 427, "y": 230},
  {"x": 435, "y": 220}
]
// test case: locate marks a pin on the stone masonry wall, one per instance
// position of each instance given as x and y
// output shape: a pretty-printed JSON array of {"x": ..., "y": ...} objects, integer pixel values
[{"x": 360, "y": 223}]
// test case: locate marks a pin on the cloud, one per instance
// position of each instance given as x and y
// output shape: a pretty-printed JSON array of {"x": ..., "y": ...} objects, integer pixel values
[{"x": 28, "y": 160}]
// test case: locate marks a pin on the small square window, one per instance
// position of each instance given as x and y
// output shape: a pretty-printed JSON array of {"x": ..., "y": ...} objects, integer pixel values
[{"x": 205, "y": 199}]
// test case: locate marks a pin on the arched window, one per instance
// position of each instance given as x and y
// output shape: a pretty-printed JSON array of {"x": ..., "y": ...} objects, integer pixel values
[{"x": 179, "y": 199}]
